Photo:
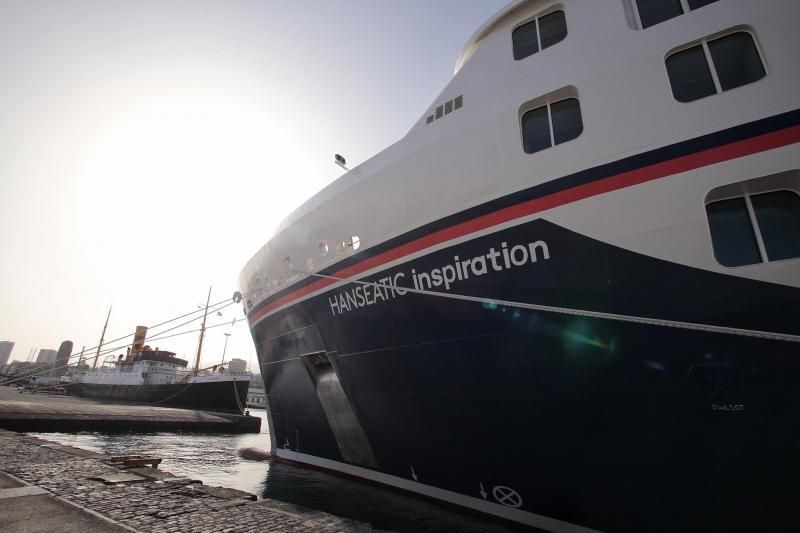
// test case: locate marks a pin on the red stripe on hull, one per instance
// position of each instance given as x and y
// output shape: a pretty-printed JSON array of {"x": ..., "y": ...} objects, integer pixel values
[{"x": 754, "y": 145}]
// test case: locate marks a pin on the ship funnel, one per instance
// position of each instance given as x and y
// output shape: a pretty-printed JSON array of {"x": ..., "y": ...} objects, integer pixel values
[
  {"x": 62, "y": 358},
  {"x": 138, "y": 338}
]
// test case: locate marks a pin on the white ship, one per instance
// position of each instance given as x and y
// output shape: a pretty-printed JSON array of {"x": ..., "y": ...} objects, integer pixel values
[
  {"x": 158, "y": 377},
  {"x": 568, "y": 297}
]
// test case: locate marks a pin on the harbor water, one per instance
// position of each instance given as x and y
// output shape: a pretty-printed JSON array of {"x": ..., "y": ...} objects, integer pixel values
[{"x": 213, "y": 459}]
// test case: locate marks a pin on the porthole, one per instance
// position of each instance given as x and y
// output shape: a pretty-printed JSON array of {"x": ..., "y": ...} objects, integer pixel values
[
  {"x": 323, "y": 248},
  {"x": 356, "y": 242}
]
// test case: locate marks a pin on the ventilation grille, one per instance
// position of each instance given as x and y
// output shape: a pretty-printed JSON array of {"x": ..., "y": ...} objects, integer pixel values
[{"x": 445, "y": 109}]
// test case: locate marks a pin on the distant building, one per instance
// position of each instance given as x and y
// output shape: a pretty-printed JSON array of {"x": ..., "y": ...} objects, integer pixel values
[
  {"x": 5, "y": 351},
  {"x": 237, "y": 365},
  {"x": 46, "y": 356},
  {"x": 256, "y": 398}
]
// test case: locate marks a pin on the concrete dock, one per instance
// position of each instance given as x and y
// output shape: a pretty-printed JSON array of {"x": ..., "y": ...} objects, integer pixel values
[
  {"x": 45, "y": 486},
  {"x": 42, "y": 412}
]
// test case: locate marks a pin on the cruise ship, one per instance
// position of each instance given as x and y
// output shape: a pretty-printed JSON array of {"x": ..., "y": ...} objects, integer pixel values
[{"x": 569, "y": 296}]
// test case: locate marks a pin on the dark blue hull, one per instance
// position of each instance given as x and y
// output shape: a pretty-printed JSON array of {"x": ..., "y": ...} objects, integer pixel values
[{"x": 628, "y": 408}]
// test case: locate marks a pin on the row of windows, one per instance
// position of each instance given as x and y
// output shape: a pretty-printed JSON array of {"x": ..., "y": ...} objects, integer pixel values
[
  {"x": 651, "y": 12},
  {"x": 746, "y": 229},
  {"x": 710, "y": 67},
  {"x": 755, "y": 228},
  {"x": 551, "y": 28}
]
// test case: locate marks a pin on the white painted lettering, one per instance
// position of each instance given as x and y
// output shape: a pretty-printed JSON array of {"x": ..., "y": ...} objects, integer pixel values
[
  {"x": 519, "y": 255},
  {"x": 436, "y": 276}
]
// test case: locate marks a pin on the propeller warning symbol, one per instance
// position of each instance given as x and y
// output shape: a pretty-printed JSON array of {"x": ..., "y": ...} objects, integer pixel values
[{"x": 507, "y": 496}]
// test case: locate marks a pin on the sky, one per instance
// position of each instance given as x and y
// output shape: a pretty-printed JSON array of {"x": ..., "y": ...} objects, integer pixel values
[{"x": 149, "y": 148}]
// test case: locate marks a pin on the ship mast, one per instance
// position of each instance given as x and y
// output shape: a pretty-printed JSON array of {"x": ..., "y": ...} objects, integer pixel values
[
  {"x": 102, "y": 336},
  {"x": 202, "y": 331}
]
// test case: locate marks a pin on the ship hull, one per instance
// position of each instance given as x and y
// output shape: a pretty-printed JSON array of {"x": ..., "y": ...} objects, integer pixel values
[
  {"x": 552, "y": 356},
  {"x": 593, "y": 387},
  {"x": 213, "y": 396}
]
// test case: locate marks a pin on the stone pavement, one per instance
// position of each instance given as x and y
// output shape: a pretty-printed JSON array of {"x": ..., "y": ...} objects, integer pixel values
[
  {"x": 143, "y": 500},
  {"x": 45, "y": 514}
]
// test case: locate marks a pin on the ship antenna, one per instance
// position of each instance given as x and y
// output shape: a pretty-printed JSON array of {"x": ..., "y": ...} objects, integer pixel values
[
  {"x": 102, "y": 336},
  {"x": 202, "y": 331}
]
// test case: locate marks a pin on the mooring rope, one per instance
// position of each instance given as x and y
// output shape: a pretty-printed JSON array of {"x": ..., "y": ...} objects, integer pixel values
[
  {"x": 242, "y": 408},
  {"x": 168, "y": 398}
]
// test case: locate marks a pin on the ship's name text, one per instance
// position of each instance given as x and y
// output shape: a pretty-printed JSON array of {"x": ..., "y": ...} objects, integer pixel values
[{"x": 444, "y": 277}]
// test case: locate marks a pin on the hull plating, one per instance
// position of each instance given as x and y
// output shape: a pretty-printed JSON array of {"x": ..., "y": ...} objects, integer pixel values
[{"x": 615, "y": 391}]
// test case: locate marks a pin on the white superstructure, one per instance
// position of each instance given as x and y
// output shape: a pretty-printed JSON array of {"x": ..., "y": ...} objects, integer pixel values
[
  {"x": 617, "y": 72},
  {"x": 156, "y": 371}
]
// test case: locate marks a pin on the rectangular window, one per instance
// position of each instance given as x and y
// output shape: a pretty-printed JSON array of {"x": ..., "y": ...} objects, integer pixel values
[
  {"x": 536, "y": 130},
  {"x": 778, "y": 216},
  {"x": 526, "y": 40},
  {"x": 567, "y": 123},
  {"x": 651, "y": 12},
  {"x": 732, "y": 234},
  {"x": 551, "y": 124},
  {"x": 539, "y": 33},
  {"x": 552, "y": 28},
  {"x": 735, "y": 62},
  {"x": 689, "y": 75}
]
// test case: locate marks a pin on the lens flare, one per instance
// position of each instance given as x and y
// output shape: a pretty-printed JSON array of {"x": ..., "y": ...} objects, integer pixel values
[{"x": 586, "y": 337}]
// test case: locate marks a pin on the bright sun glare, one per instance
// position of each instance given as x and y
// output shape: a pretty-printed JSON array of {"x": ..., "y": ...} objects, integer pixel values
[{"x": 156, "y": 181}]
